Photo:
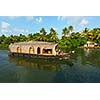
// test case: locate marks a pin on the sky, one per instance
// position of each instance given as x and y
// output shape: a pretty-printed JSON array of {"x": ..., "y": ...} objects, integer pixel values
[{"x": 15, "y": 25}]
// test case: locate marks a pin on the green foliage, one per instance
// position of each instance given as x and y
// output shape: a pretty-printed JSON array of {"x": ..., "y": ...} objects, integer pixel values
[{"x": 68, "y": 40}]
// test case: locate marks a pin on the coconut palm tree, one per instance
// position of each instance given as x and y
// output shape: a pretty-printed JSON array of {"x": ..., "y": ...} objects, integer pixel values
[
  {"x": 70, "y": 28},
  {"x": 43, "y": 31},
  {"x": 30, "y": 37},
  {"x": 43, "y": 34},
  {"x": 65, "y": 31},
  {"x": 53, "y": 35},
  {"x": 85, "y": 33}
]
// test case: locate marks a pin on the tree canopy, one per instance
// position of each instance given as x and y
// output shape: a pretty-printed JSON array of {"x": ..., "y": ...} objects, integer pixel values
[{"x": 69, "y": 38}]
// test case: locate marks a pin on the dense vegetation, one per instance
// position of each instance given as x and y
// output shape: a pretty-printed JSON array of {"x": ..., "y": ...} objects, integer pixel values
[{"x": 69, "y": 38}]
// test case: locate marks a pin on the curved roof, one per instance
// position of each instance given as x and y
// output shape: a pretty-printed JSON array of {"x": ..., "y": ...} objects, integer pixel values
[
  {"x": 35, "y": 43},
  {"x": 26, "y": 45}
]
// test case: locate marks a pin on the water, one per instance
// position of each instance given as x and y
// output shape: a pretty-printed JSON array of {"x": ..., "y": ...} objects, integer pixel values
[{"x": 84, "y": 66}]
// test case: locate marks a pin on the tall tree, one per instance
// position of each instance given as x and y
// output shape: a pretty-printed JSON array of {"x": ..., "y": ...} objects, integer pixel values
[
  {"x": 65, "y": 31},
  {"x": 84, "y": 33},
  {"x": 53, "y": 35},
  {"x": 2, "y": 38},
  {"x": 43, "y": 34},
  {"x": 43, "y": 31},
  {"x": 70, "y": 28},
  {"x": 30, "y": 37},
  {"x": 22, "y": 38}
]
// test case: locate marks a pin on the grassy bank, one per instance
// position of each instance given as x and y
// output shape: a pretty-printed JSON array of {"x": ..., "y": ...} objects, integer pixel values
[{"x": 4, "y": 47}]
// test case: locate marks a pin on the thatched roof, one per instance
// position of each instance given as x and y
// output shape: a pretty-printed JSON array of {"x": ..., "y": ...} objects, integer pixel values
[
  {"x": 35, "y": 43},
  {"x": 26, "y": 45}
]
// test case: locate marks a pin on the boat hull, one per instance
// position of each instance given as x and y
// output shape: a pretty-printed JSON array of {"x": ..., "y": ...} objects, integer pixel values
[{"x": 66, "y": 56}]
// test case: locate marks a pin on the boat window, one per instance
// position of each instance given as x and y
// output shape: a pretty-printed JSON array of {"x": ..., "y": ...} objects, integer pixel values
[
  {"x": 31, "y": 50},
  {"x": 47, "y": 51},
  {"x": 18, "y": 50}
]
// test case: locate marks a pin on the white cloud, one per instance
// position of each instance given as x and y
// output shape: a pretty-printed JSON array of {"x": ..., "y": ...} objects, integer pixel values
[
  {"x": 16, "y": 30},
  {"x": 4, "y": 25},
  {"x": 4, "y": 30},
  {"x": 19, "y": 31},
  {"x": 71, "y": 19},
  {"x": 83, "y": 22},
  {"x": 38, "y": 20},
  {"x": 33, "y": 19},
  {"x": 79, "y": 21}
]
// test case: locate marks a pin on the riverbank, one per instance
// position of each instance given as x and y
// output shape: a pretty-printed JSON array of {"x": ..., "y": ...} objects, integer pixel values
[{"x": 4, "y": 47}]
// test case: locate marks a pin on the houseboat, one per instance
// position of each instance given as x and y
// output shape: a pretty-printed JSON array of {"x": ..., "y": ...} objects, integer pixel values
[{"x": 37, "y": 49}]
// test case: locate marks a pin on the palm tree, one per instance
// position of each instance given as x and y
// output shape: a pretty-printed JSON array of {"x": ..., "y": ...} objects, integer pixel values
[
  {"x": 65, "y": 31},
  {"x": 86, "y": 30},
  {"x": 22, "y": 38},
  {"x": 36, "y": 36},
  {"x": 96, "y": 34},
  {"x": 85, "y": 33},
  {"x": 70, "y": 28},
  {"x": 30, "y": 37},
  {"x": 43, "y": 34},
  {"x": 43, "y": 31},
  {"x": 2, "y": 38},
  {"x": 53, "y": 35}
]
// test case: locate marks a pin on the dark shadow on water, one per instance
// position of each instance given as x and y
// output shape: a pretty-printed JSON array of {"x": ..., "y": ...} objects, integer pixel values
[
  {"x": 60, "y": 77},
  {"x": 40, "y": 70},
  {"x": 40, "y": 64}
]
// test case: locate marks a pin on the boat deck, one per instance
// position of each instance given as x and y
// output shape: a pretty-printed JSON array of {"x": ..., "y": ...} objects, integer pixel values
[{"x": 64, "y": 56}]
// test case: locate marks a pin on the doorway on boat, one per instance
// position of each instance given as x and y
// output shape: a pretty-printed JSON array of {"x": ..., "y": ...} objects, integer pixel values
[
  {"x": 31, "y": 50},
  {"x": 38, "y": 50},
  {"x": 18, "y": 50},
  {"x": 47, "y": 51}
]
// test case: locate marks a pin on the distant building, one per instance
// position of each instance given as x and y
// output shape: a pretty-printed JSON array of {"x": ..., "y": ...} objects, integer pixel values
[
  {"x": 34, "y": 47},
  {"x": 90, "y": 44}
]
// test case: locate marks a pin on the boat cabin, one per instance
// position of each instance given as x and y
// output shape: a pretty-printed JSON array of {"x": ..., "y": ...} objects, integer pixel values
[{"x": 34, "y": 47}]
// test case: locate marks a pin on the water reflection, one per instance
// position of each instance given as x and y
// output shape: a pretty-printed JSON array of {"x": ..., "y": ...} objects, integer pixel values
[
  {"x": 93, "y": 57},
  {"x": 87, "y": 51},
  {"x": 40, "y": 70},
  {"x": 80, "y": 68},
  {"x": 87, "y": 56},
  {"x": 40, "y": 64}
]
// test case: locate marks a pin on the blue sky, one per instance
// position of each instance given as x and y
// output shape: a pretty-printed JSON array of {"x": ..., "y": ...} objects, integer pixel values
[{"x": 30, "y": 24}]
